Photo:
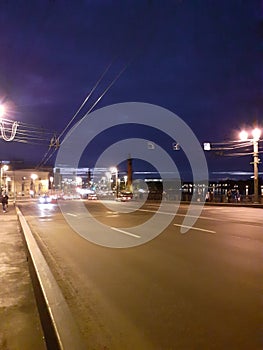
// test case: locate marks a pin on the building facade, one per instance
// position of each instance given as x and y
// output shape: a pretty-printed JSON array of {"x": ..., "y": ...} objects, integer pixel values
[{"x": 25, "y": 182}]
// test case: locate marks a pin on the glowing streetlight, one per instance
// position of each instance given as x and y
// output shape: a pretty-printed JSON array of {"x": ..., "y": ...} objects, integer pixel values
[
  {"x": 243, "y": 135},
  {"x": 256, "y": 133}
]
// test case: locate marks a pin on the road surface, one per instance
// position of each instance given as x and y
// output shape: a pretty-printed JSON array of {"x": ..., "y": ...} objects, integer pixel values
[{"x": 198, "y": 290}]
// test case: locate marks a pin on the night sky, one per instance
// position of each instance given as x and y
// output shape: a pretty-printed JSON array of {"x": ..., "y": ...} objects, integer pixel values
[{"x": 200, "y": 59}]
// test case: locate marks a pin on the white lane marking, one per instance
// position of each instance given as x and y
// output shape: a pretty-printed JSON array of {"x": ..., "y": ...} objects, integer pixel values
[
  {"x": 242, "y": 237},
  {"x": 177, "y": 214},
  {"x": 195, "y": 228},
  {"x": 72, "y": 214},
  {"x": 125, "y": 232},
  {"x": 201, "y": 217}
]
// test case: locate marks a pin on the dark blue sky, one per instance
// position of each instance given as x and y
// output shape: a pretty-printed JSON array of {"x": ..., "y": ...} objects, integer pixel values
[{"x": 200, "y": 59}]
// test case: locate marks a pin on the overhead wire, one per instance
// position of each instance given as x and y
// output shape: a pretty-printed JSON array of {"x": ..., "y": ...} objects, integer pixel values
[
  {"x": 18, "y": 131},
  {"x": 43, "y": 162},
  {"x": 47, "y": 156},
  {"x": 226, "y": 148},
  {"x": 87, "y": 98},
  {"x": 138, "y": 49}
]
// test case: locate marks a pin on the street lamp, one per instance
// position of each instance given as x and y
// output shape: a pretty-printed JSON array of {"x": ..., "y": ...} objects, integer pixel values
[{"x": 256, "y": 137}]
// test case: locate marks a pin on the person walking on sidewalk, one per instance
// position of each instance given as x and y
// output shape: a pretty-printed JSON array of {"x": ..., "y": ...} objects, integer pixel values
[{"x": 4, "y": 202}]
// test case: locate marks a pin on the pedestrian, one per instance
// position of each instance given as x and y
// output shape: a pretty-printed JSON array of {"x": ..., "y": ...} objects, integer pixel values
[
  {"x": 4, "y": 202},
  {"x": 207, "y": 196}
]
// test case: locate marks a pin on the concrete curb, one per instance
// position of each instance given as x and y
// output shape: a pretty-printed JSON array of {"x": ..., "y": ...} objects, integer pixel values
[
  {"x": 236, "y": 205},
  {"x": 221, "y": 204},
  {"x": 59, "y": 327}
]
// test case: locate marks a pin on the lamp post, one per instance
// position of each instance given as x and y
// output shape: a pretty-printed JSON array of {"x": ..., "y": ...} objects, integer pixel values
[{"x": 256, "y": 137}]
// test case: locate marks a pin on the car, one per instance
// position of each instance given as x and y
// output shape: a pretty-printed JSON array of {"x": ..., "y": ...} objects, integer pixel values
[
  {"x": 125, "y": 196},
  {"x": 92, "y": 196},
  {"x": 45, "y": 199}
]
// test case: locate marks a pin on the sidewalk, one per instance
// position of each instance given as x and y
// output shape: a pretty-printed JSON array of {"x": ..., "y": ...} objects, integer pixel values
[{"x": 20, "y": 327}]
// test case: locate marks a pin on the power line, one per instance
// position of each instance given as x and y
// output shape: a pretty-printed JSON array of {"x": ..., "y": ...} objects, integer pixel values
[{"x": 46, "y": 157}]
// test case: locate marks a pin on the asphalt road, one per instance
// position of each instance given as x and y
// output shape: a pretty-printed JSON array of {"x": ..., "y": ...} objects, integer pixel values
[{"x": 197, "y": 290}]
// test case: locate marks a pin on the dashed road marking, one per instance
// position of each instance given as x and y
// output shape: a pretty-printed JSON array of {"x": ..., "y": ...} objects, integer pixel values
[
  {"x": 125, "y": 232},
  {"x": 195, "y": 228}
]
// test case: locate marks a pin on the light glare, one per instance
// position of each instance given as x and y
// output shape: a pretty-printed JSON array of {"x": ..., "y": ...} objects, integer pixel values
[
  {"x": 34, "y": 176},
  {"x": 243, "y": 135},
  {"x": 256, "y": 134}
]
